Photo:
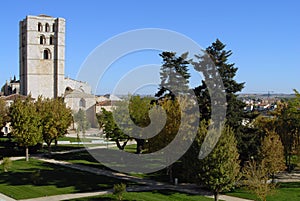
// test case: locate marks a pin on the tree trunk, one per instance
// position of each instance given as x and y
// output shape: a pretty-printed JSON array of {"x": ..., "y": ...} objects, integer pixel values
[
  {"x": 124, "y": 144},
  {"x": 170, "y": 173},
  {"x": 26, "y": 153},
  {"x": 49, "y": 149},
  {"x": 289, "y": 163},
  {"x": 139, "y": 145},
  {"x": 216, "y": 195},
  {"x": 119, "y": 145},
  {"x": 273, "y": 178}
]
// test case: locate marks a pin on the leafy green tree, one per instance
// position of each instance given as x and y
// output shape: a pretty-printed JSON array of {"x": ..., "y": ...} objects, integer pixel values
[
  {"x": 111, "y": 129},
  {"x": 256, "y": 179},
  {"x": 179, "y": 117},
  {"x": 81, "y": 121},
  {"x": 171, "y": 127},
  {"x": 4, "y": 116},
  {"x": 170, "y": 130},
  {"x": 219, "y": 171},
  {"x": 134, "y": 110},
  {"x": 270, "y": 160},
  {"x": 55, "y": 119},
  {"x": 6, "y": 164},
  {"x": 272, "y": 153},
  {"x": 287, "y": 125},
  {"x": 214, "y": 64},
  {"x": 26, "y": 123},
  {"x": 139, "y": 114}
]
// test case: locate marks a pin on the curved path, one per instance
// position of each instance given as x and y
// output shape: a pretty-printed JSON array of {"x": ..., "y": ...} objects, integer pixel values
[{"x": 148, "y": 185}]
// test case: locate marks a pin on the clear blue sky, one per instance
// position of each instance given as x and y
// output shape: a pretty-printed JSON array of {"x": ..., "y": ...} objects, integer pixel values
[{"x": 263, "y": 35}]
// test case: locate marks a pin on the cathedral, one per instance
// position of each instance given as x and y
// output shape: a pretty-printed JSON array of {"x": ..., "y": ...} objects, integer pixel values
[{"x": 42, "y": 66}]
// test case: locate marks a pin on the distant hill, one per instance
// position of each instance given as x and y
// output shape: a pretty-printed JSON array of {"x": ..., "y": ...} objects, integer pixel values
[{"x": 266, "y": 95}]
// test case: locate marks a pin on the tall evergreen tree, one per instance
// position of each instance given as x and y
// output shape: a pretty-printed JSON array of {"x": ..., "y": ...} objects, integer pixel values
[
  {"x": 214, "y": 64},
  {"x": 174, "y": 75},
  {"x": 174, "y": 86}
]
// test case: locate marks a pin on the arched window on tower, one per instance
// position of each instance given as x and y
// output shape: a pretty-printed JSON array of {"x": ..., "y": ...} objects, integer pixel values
[
  {"x": 42, "y": 40},
  {"x": 53, "y": 27},
  {"x": 47, "y": 27},
  {"x": 82, "y": 103},
  {"x": 51, "y": 40},
  {"x": 40, "y": 27},
  {"x": 46, "y": 54}
]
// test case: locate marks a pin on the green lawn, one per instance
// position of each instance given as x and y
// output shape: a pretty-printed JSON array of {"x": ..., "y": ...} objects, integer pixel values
[
  {"x": 150, "y": 196},
  {"x": 131, "y": 148},
  {"x": 35, "y": 179},
  {"x": 82, "y": 158},
  {"x": 284, "y": 192},
  {"x": 9, "y": 148},
  {"x": 74, "y": 139}
]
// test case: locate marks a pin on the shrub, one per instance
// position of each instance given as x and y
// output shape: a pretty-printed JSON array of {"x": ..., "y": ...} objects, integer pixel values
[
  {"x": 119, "y": 189},
  {"x": 6, "y": 164}
]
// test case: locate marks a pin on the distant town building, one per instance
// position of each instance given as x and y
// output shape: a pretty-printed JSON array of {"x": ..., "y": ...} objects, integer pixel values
[{"x": 107, "y": 102}]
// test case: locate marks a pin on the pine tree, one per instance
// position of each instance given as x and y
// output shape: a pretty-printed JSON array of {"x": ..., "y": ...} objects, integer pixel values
[
  {"x": 218, "y": 66},
  {"x": 174, "y": 75},
  {"x": 214, "y": 64}
]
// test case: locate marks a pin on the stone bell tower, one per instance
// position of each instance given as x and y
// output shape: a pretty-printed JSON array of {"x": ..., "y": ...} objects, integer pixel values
[{"x": 42, "y": 56}]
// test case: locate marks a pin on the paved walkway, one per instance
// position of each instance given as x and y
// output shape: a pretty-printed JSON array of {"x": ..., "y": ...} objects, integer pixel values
[
  {"x": 294, "y": 176},
  {"x": 129, "y": 189},
  {"x": 5, "y": 198},
  {"x": 68, "y": 196},
  {"x": 148, "y": 185}
]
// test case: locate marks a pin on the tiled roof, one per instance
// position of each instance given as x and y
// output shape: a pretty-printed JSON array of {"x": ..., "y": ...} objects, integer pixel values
[{"x": 14, "y": 97}]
